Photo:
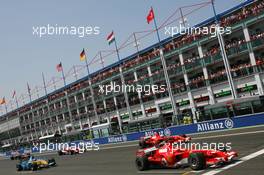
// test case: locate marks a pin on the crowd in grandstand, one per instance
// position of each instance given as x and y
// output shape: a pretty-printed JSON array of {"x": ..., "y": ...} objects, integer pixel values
[
  {"x": 191, "y": 59},
  {"x": 185, "y": 39},
  {"x": 236, "y": 42},
  {"x": 257, "y": 35},
  {"x": 212, "y": 51},
  {"x": 244, "y": 13},
  {"x": 217, "y": 74}
]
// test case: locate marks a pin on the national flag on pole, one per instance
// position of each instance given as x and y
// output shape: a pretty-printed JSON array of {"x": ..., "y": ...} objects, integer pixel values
[
  {"x": 111, "y": 38},
  {"x": 82, "y": 55},
  {"x": 14, "y": 94},
  {"x": 150, "y": 16},
  {"x": 2, "y": 101},
  {"x": 59, "y": 67}
]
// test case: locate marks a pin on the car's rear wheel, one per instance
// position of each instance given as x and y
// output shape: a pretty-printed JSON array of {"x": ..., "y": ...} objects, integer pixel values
[
  {"x": 60, "y": 153},
  {"x": 142, "y": 163},
  {"x": 34, "y": 167},
  {"x": 197, "y": 161}
]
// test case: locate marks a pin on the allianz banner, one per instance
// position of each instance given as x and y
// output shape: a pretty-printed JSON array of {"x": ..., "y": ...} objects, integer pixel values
[{"x": 207, "y": 126}]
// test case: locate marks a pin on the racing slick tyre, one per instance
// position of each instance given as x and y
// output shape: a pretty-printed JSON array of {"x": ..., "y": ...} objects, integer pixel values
[
  {"x": 19, "y": 168},
  {"x": 52, "y": 162},
  {"x": 142, "y": 163},
  {"x": 142, "y": 144},
  {"x": 60, "y": 153},
  {"x": 34, "y": 167},
  {"x": 197, "y": 161}
]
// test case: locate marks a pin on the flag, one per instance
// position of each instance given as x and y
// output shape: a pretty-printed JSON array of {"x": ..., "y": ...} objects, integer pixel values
[
  {"x": 150, "y": 16},
  {"x": 82, "y": 55},
  {"x": 14, "y": 94},
  {"x": 59, "y": 67},
  {"x": 2, "y": 101},
  {"x": 111, "y": 38}
]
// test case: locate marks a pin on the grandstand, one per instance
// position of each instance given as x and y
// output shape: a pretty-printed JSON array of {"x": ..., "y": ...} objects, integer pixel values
[{"x": 197, "y": 75}]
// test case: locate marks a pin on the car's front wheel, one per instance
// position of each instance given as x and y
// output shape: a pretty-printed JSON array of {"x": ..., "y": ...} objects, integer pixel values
[
  {"x": 142, "y": 163},
  {"x": 19, "y": 168},
  {"x": 52, "y": 162},
  {"x": 197, "y": 161},
  {"x": 142, "y": 144}
]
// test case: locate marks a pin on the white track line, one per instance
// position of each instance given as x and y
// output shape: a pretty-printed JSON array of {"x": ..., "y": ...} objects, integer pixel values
[{"x": 243, "y": 159}]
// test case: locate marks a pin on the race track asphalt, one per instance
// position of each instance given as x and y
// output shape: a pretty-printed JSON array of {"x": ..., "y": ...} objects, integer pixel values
[{"x": 119, "y": 159}]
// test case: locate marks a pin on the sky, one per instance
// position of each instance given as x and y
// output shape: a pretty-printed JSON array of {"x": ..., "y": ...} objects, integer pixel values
[{"x": 24, "y": 55}]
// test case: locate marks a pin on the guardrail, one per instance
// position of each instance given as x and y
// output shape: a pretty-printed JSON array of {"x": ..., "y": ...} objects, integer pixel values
[{"x": 201, "y": 127}]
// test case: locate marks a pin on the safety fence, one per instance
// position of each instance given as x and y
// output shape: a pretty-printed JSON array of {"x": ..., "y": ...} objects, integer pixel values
[{"x": 201, "y": 127}]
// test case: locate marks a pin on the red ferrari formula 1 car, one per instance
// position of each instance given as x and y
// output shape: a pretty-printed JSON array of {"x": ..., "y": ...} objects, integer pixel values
[
  {"x": 150, "y": 141},
  {"x": 69, "y": 151},
  {"x": 166, "y": 156}
]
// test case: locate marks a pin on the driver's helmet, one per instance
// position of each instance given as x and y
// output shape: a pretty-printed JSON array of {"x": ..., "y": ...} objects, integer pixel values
[{"x": 156, "y": 134}]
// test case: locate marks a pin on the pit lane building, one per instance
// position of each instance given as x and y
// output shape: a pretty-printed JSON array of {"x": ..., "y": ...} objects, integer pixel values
[{"x": 202, "y": 85}]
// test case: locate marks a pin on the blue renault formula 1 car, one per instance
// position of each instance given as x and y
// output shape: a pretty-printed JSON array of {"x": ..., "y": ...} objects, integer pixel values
[{"x": 34, "y": 164}]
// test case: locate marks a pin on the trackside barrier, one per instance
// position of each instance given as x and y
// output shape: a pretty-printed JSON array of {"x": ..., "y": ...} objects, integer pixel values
[{"x": 207, "y": 126}]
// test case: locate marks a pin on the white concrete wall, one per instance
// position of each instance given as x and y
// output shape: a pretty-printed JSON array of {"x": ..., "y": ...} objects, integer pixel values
[{"x": 14, "y": 123}]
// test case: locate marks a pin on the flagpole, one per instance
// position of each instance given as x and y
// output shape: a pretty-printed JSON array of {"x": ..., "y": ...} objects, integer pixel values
[
  {"x": 75, "y": 73},
  {"x": 37, "y": 90},
  {"x": 44, "y": 83},
  {"x": 23, "y": 99},
  {"x": 224, "y": 54},
  {"x": 67, "y": 98},
  {"x": 174, "y": 107},
  {"x": 18, "y": 114},
  {"x": 63, "y": 75},
  {"x": 11, "y": 105},
  {"x": 46, "y": 93},
  {"x": 125, "y": 93},
  {"x": 182, "y": 17},
  {"x": 91, "y": 90},
  {"x": 101, "y": 58},
  {"x": 7, "y": 122},
  {"x": 31, "y": 109},
  {"x": 29, "y": 93},
  {"x": 139, "y": 93},
  {"x": 104, "y": 101},
  {"x": 16, "y": 101},
  {"x": 117, "y": 52},
  {"x": 54, "y": 83},
  {"x": 87, "y": 66},
  {"x": 157, "y": 31},
  {"x": 6, "y": 108}
]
